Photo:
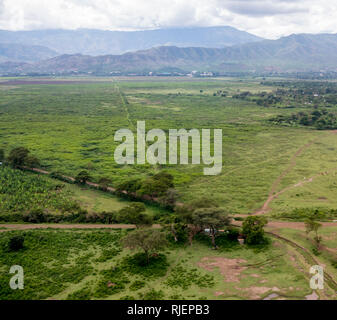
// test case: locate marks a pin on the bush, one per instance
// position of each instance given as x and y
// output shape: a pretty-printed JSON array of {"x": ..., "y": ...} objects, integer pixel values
[
  {"x": 59, "y": 176},
  {"x": 82, "y": 177},
  {"x": 134, "y": 214},
  {"x": 334, "y": 263},
  {"x": 138, "y": 284},
  {"x": 21, "y": 157},
  {"x": 35, "y": 216},
  {"x": 181, "y": 277},
  {"x": 113, "y": 281},
  {"x": 302, "y": 214},
  {"x": 153, "y": 295},
  {"x": 225, "y": 240},
  {"x": 102, "y": 217},
  {"x": 16, "y": 243},
  {"x": 181, "y": 234},
  {"x": 104, "y": 183},
  {"x": 82, "y": 294},
  {"x": 252, "y": 229},
  {"x": 138, "y": 264}
]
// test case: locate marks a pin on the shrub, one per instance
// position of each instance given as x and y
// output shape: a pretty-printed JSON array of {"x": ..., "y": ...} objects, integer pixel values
[
  {"x": 252, "y": 229},
  {"x": 82, "y": 177},
  {"x": 155, "y": 267},
  {"x": 35, "y": 216},
  {"x": 82, "y": 294},
  {"x": 181, "y": 277},
  {"x": 104, "y": 183},
  {"x": 16, "y": 243},
  {"x": 179, "y": 232},
  {"x": 153, "y": 295},
  {"x": 138, "y": 284},
  {"x": 135, "y": 214},
  {"x": 113, "y": 281}
]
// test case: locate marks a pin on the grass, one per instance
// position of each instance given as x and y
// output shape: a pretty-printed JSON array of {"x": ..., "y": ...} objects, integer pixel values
[
  {"x": 326, "y": 257},
  {"x": 71, "y": 127},
  {"x": 89, "y": 265},
  {"x": 99, "y": 201}
]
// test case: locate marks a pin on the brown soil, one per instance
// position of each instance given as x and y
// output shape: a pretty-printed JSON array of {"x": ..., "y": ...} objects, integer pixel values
[
  {"x": 10, "y": 227},
  {"x": 230, "y": 268},
  {"x": 274, "y": 225}
]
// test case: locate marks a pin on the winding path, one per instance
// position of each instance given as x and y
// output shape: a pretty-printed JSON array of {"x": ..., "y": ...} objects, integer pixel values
[{"x": 272, "y": 193}]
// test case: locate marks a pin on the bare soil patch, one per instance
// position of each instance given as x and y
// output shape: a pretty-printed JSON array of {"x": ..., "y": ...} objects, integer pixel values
[{"x": 230, "y": 268}]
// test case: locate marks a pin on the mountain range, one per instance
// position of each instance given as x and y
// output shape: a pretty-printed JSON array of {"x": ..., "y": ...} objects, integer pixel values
[
  {"x": 100, "y": 42},
  {"x": 17, "y": 52},
  {"x": 294, "y": 53}
]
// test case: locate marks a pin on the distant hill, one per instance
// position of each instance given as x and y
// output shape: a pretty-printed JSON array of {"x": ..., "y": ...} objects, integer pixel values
[
  {"x": 24, "y": 53},
  {"x": 99, "y": 42},
  {"x": 303, "y": 52}
]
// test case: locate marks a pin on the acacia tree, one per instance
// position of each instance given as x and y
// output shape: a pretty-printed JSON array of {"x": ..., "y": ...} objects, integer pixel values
[
  {"x": 312, "y": 226},
  {"x": 212, "y": 219},
  {"x": 148, "y": 240},
  {"x": 197, "y": 220}
]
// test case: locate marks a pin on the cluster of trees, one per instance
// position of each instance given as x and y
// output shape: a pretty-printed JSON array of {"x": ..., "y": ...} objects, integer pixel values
[
  {"x": 242, "y": 95},
  {"x": 320, "y": 119},
  {"x": 264, "y": 99},
  {"x": 197, "y": 216},
  {"x": 220, "y": 93},
  {"x": 159, "y": 187},
  {"x": 191, "y": 221},
  {"x": 19, "y": 157},
  {"x": 291, "y": 94},
  {"x": 135, "y": 213}
]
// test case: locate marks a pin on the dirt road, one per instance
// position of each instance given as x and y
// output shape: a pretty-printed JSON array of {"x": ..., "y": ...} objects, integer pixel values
[
  {"x": 271, "y": 226},
  {"x": 10, "y": 227}
]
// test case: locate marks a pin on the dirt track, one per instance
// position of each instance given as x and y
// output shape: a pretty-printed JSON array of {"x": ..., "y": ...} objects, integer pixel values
[
  {"x": 272, "y": 195},
  {"x": 10, "y": 227},
  {"x": 272, "y": 225}
]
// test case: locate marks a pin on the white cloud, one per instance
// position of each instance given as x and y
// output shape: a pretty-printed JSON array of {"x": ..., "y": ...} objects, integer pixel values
[{"x": 267, "y": 18}]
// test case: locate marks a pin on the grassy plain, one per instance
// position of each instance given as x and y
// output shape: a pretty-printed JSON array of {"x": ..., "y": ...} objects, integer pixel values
[
  {"x": 71, "y": 127},
  {"x": 77, "y": 264}
]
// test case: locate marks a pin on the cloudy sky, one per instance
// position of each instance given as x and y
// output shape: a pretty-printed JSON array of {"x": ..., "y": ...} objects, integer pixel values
[{"x": 266, "y": 18}]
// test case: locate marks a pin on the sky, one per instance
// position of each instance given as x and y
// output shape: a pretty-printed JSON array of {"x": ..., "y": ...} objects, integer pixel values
[{"x": 266, "y": 18}]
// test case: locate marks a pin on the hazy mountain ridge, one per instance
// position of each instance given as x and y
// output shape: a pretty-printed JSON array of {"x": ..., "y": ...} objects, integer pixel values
[
  {"x": 24, "y": 53},
  {"x": 303, "y": 52},
  {"x": 99, "y": 42}
]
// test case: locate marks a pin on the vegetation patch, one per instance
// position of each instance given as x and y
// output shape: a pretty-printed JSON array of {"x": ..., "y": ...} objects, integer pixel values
[
  {"x": 184, "y": 278},
  {"x": 138, "y": 264},
  {"x": 319, "y": 119}
]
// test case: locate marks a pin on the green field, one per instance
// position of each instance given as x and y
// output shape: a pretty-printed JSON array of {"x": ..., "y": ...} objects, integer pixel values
[
  {"x": 279, "y": 160},
  {"x": 79, "y": 264},
  {"x": 71, "y": 127}
]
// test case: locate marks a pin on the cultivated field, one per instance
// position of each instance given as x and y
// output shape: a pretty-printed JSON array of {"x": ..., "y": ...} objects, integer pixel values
[{"x": 279, "y": 161}]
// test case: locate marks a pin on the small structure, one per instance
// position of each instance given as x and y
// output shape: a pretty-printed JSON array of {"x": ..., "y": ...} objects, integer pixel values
[{"x": 241, "y": 239}]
